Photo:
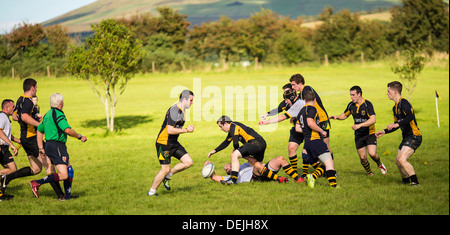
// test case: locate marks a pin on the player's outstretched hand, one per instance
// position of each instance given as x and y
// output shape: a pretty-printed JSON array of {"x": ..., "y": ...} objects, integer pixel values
[
  {"x": 211, "y": 153},
  {"x": 378, "y": 134}
]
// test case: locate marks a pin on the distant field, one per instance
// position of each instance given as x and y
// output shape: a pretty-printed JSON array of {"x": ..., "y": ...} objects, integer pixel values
[{"x": 113, "y": 172}]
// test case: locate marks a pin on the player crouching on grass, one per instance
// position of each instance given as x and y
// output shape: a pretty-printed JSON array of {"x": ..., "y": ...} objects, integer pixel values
[
  {"x": 252, "y": 150},
  {"x": 55, "y": 127},
  {"x": 247, "y": 173}
]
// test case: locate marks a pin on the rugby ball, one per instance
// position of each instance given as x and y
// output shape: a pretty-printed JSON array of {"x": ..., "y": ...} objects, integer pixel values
[{"x": 208, "y": 170}]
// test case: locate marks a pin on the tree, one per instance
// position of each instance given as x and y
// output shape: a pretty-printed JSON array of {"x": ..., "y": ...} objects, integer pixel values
[
  {"x": 26, "y": 35},
  {"x": 408, "y": 66},
  {"x": 419, "y": 22},
  {"x": 107, "y": 61},
  {"x": 337, "y": 36}
]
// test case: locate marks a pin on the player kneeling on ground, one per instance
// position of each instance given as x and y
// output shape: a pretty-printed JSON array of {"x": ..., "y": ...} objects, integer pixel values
[{"x": 55, "y": 127}]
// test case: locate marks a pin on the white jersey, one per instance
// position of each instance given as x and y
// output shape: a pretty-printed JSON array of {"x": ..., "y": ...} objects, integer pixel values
[
  {"x": 293, "y": 111},
  {"x": 245, "y": 173},
  {"x": 5, "y": 126}
]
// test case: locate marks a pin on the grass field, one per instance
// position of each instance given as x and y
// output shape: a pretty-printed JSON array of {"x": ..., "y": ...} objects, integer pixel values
[{"x": 113, "y": 172}]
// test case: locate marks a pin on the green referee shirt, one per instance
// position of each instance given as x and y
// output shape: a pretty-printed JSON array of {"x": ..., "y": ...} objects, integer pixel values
[{"x": 48, "y": 126}]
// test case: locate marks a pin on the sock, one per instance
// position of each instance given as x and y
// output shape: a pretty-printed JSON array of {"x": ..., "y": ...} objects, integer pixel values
[
  {"x": 57, "y": 188},
  {"x": 22, "y": 172},
  {"x": 67, "y": 187},
  {"x": 152, "y": 192},
  {"x": 68, "y": 183},
  {"x": 48, "y": 179},
  {"x": 378, "y": 160},
  {"x": 234, "y": 176},
  {"x": 269, "y": 174},
  {"x": 367, "y": 167},
  {"x": 290, "y": 171},
  {"x": 305, "y": 163},
  {"x": 406, "y": 180},
  {"x": 294, "y": 162},
  {"x": 331, "y": 177},
  {"x": 315, "y": 165},
  {"x": 414, "y": 179},
  {"x": 168, "y": 175},
  {"x": 318, "y": 172}
]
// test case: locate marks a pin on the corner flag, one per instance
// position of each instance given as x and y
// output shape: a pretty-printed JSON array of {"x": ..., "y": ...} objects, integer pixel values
[
  {"x": 437, "y": 95},
  {"x": 437, "y": 108}
]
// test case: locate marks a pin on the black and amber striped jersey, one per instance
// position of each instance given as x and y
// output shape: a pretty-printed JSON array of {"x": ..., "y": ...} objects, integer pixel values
[
  {"x": 323, "y": 115},
  {"x": 361, "y": 113},
  {"x": 25, "y": 105},
  {"x": 174, "y": 117},
  {"x": 406, "y": 119},
  {"x": 309, "y": 111},
  {"x": 238, "y": 133}
]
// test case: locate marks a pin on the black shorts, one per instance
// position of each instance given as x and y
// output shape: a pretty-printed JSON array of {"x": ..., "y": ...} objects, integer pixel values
[
  {"x": 165, "y": 152},
  {"x": 296, "y": 137},
  {"x": 254, "y": 148},
  {"x": 57, "y": 152},
  {"x": 5, "y": 155},
  {"x": 315, "y": 148},
  {"x": 412, "y": 141},
  {"x": 363, "y": 141},
  {"x": 30, "y": 146}
]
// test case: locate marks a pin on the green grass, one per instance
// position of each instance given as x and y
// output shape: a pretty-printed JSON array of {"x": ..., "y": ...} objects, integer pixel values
[{"x": 113, "y": 172}]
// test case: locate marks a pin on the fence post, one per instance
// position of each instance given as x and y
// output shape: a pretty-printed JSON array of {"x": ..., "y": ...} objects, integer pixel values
[
  {"x": 153, "y": 67},
  {"x": 362, "y": 58},
  {"x": 48, "y": 71},
  {"x": 326, "y": 60},
  {"x": 12, "y": 71}
]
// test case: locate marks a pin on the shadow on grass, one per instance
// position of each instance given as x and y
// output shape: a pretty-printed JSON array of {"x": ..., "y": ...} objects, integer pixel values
[{"x": 120, "y": 122}]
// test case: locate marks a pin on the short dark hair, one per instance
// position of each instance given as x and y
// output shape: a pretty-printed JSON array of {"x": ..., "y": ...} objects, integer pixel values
[
  {"x": 28, "y": 84},
  {"x": 184, "y": 95},
  {"x": 297, "y": 78},
  {"x": 309, "y": 96},
  {"x": 396, "y": 86},
  {"x": 357, "y": 89},
  {"x": 5, "y": 102},
  {"x": 288, "y": 85},
  {"x": 224, "y": 119}
]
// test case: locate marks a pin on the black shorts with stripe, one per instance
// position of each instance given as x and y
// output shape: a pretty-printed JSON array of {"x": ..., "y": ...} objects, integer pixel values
[{"x": 165, "y": 152}]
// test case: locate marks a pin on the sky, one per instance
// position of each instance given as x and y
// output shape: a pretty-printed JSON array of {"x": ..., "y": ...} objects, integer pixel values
[{"x": 13, "y": 12}]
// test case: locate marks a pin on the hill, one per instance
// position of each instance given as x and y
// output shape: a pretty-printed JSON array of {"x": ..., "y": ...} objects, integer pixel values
[{"x": 199, "y": 11}]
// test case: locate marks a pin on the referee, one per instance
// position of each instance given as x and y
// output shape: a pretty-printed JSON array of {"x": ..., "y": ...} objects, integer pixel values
[{"x": 55, "y": 127}]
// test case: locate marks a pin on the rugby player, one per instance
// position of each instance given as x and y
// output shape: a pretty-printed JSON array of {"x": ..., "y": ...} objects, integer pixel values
[
  {"x": 307, "y": 122},
  {"x": 405, "y": 119},
  {"x": 364, "y": 126},
  {"x": 167, "y": 144},
  {"x": 252, "y": 150}
]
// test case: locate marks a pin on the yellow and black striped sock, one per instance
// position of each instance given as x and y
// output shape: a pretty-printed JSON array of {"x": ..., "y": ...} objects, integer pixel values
[
  {"x": 269, "y": 174},
  {"x": 377, "y": 160},
  {"x": 234, "y": 176},
  {"x": 315, "y": 165},
  {"x": 290, "y": 171},
  {"x": 318, "y": 172},
  {"x": 367, "y": 167},
  {"x": 294, "y": 162},
  {"x": 331, "y": 177}
]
